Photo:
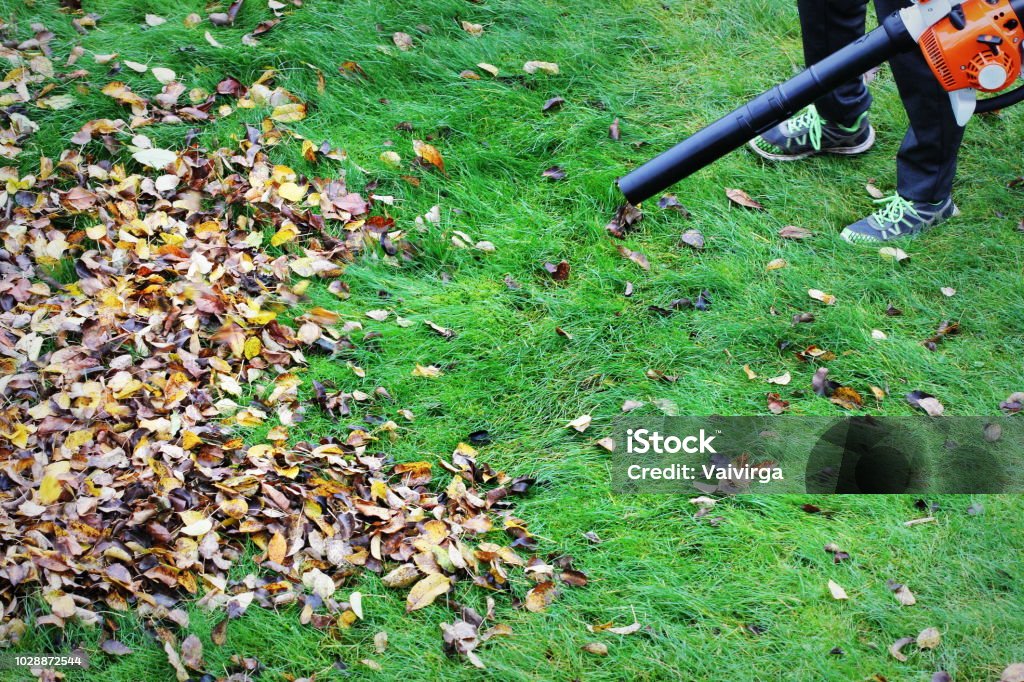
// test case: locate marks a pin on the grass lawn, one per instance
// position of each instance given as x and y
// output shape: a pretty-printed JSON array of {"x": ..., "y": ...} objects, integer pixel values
[{"x": 743, "y": 600}]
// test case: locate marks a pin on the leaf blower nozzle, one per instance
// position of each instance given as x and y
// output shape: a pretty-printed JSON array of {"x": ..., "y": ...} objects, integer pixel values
[{"x": 767, "y": 110}]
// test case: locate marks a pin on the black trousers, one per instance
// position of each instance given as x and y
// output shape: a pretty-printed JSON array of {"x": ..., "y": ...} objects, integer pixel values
[{"x": 926, "y": 162}]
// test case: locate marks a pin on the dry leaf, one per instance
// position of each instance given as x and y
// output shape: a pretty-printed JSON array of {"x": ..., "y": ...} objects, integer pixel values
[
  {"x": 402, "y": 40},
  {"x": 897, "y": 648},
  {"x": 581, "y": 423},
  {"x": 596, "y": 648},
  {"x": 929, "y": 638},
  {"x": 794, "y": 232},
  {"x": 781, "y": 380},
  {"x": 544, "y": 67},
  {"x": 818, "y": 295},
  {"x": 424, "y": 592},
  {"x": 741, "y": 198},
  {"x": 428, "y": 153},
  {"x": 837, "y": 591}
]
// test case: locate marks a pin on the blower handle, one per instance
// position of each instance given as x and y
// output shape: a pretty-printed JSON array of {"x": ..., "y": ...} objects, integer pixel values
[{"x": 767, "y": 110}]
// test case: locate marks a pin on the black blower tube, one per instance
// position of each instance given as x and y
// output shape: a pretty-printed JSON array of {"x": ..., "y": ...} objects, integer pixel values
[{"x": 767, "y": 110}]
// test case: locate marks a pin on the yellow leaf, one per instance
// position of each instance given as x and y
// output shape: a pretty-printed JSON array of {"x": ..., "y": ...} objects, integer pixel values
[
  {"x": 424, "y": 592},
  {"x": 291, "y": 192},
  {"x": 288, "y": 232},
  {"x": 288, "y": 113},
  {"x": 429, "y": 372},
  {"x": 234, "y": 508},
  {"x": 253, "y": 346},
  {"x": 277, "y": 548},
  {"x": 50, "y": 489}
]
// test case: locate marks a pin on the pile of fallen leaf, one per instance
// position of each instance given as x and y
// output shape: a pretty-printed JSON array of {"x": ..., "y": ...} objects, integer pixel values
[{"x": 140, "y": 337}]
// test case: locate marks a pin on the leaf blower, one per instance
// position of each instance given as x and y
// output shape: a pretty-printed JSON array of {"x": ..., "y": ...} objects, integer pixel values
[{"x": 971, "y": 46}]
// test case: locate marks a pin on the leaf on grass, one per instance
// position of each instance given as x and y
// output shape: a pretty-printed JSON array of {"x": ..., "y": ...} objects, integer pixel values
[
  {"x": 874, "y": 191},
  {"x": 596, "y": 648},
  {"x": 893, "y": 253},
  {"x": 794, "y": 232},
  {"x": 741, "y": 198},
  {"x": 929, "y": 638},
  {"x": 902, "y": 593},
  {"x": 489, "y": 68},
  {"x": 693, "y": 238},
  {"x": 549, "y": 68},
  {"x": 776, "y": 405},
  {"x": 751, "y": 374},
  {"x": 540, "y": 597},
  {"x": 559, "y": 272},
  {"x": 581, "y": 423},
  {"x": 155, "y": 158},
  {"x": 776, "y": 264},
  {"x": 115, "y": 648},
  {"x": 424, "y": 592},
  {"x": 635, "y": 256},
  {"x": 554, "y": 173},
  {"x": 475, "y": 30},
  {"x": 380, "y": 642},
  {"x": 819, "y": 295},
  {"x": 289, "y": 113},
  {"x": 670, "y": 202},
  {"x": 429, "y": 154},
  {"x": 948, "y": 292},
  {"x": 613, "y": 130},
  {"x": 427, "y": 372},
  {"x": 553, "y": 104},
  {"x": 781, "y": 380},
  {"x": 837, "y": 591},
  {"x": 926, "y": 402},
  {"x": 897, "y": 648},
  {"x": 402, "y": 40},
  {"x": 626, "y": 216},
  {"x": 192, "y": 652}
]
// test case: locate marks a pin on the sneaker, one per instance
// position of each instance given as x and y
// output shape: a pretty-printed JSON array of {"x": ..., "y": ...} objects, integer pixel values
[
  {"x": 899, "y": 218},
  {"x": 807, "y": 134}
]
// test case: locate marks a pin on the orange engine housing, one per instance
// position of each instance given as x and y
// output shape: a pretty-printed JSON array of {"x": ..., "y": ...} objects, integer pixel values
[{"x": 977, "y": 46}]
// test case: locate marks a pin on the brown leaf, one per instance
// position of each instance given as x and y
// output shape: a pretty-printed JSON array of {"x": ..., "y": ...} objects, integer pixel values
[
  {"x": 614, "y": 132},
  {"x": 741, "y": 198},
  {"x": 560, "y": 272},
  {"x": 897, "y": 648},
  {"x": 776, "y": 405},
  {"x": 596, "y": 648},
  {"x": 552, "y": 104},
  {"x": 540, "y": 597},
  {"x": 626, "y": 216},
  {"x": 794, "y": 232},
  {"x": 635, "y": 256}
]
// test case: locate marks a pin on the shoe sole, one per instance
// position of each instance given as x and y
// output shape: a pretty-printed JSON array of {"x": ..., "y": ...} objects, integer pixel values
[
  {"x": 840, "y": 151},
  {"x": 878, "y": 242}
]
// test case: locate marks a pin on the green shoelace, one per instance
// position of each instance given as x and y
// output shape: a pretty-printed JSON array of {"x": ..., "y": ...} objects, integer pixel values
[
  {"x": 812, "y": 121},
  {"x": 894, "y": 210}
]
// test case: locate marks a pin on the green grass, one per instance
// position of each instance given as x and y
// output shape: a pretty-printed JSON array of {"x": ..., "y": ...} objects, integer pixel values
[{"x": 664, "y": 69}]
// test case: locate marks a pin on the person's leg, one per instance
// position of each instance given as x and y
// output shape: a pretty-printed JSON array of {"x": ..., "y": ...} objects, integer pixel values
[
  {"x": 838, "y": 122},
  {"x": 926, "y": 162},
  {"x": 828, "y": 26}
]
